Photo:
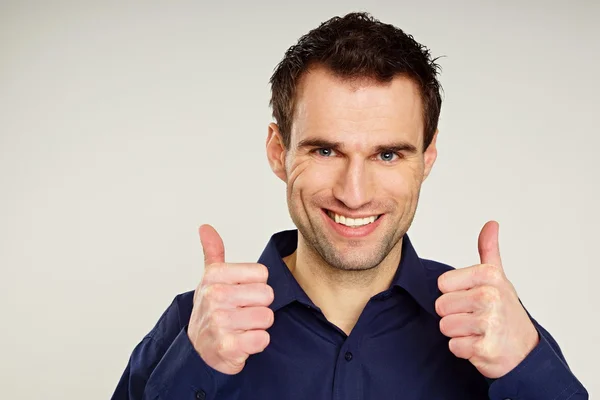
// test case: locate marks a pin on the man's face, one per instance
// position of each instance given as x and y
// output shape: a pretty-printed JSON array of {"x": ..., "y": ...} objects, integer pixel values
[{"x": 354, "y": 167}]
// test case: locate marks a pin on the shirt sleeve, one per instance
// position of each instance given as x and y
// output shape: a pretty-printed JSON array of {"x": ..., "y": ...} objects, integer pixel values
[
  {"x": 543, "y": 375},
  {"x": 165, "y": 366}
]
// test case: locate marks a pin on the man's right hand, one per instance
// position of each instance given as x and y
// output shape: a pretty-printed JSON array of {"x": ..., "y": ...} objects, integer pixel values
[{"x": 230, "y": 314}]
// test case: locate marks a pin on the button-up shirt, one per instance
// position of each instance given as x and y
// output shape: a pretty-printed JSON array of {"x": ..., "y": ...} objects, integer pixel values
[{"x": 395, "y": 350}]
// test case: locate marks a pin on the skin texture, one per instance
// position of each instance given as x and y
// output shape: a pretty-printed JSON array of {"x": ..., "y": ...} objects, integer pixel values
[{"x": 339, "y": 273}]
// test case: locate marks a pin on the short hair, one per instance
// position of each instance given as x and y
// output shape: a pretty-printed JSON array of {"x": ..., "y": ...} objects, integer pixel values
[{"x": 356, "y": 46}]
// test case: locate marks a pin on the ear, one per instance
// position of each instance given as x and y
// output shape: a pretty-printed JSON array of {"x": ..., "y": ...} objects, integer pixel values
[
  {"x": 430, "y": 155},
  {"x": 276, "y": 152}
]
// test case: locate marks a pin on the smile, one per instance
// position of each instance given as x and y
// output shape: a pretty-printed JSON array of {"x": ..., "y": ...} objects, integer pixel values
[{"x": 352, "y": 222}]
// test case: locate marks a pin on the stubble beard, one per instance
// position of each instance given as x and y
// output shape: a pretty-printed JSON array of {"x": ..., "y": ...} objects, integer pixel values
[{"x": 355, "y": 258}]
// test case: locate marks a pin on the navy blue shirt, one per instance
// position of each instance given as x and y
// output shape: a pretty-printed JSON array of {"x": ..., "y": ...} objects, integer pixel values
[{"x": 395, "y": 350}]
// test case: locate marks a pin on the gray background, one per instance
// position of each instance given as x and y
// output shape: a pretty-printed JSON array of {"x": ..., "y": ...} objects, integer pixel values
[{"x": 124, "y": 126}]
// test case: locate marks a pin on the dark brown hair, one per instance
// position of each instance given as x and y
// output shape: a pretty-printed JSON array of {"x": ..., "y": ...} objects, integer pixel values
[{"x": 352, "y": 47}]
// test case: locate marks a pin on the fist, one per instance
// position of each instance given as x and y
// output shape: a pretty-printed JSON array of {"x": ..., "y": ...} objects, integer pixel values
[
  {"x": 230, "y": 313},
  {"x": 482, "y": 314}
]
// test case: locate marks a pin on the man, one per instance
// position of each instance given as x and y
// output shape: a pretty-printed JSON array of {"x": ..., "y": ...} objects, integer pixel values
[{"x": 343, "y": 308}]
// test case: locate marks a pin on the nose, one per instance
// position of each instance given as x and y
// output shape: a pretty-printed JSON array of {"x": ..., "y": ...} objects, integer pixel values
[{"x": 354, "y": 186}]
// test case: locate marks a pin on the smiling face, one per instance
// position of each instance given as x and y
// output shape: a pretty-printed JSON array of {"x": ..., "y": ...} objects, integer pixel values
[{"x": 354, "y": 166}]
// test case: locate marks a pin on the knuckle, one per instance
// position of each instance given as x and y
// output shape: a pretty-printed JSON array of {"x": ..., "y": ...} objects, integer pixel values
[
  {"x": 480, "y": 348},
  {"x": 492, "y": 273},
  {"x": 481, "y": 272},
  {"x": 218, "y": 318},
  {"x": 488, "y": 294},
  {"x": 208, "y": 292},
  {"x": 491, "y": 323},
  {"x": 481, "y": 295},
  {"x": 216, "y": 293},
  {"x": 212, "y": 273},
  {"x": 226, "y": 345},
  {"x": 484, "y": 324},
  {"x": 236, "y": 365}
]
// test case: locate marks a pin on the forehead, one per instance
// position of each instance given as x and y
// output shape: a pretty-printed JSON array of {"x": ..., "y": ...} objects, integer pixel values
[{"x": 357, "y": 112}]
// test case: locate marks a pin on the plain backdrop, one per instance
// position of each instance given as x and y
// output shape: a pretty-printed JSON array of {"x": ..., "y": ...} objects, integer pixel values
[{"x": 124, "y": 126}]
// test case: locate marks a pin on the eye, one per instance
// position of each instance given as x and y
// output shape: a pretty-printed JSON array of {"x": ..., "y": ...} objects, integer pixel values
[
  {"x": 388, "y": 156},
  {"x": 325, "y": 152}
]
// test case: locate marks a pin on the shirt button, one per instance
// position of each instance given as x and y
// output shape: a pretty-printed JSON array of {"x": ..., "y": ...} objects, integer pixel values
[
  {"x": 348, "y": 356},
  {"x": 200, "y": 395}
]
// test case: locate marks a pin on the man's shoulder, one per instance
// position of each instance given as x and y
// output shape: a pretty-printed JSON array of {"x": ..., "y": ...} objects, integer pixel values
[
  {"x": 435, "y": 268},
  {"x": 173, "y": 319},
  {"x": 185, "y": 303}
]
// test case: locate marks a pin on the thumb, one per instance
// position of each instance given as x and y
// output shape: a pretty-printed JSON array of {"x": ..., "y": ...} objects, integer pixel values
[
  {"x": 212, "y": 245},
  {"x": 489, "y": 249}
]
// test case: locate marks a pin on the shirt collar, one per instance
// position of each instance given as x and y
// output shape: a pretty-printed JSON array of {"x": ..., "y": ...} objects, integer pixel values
[
  {"x": 285, "y": 286},
  {"x": 417, "y": 280},
  {"x": 411, "y": 274}
]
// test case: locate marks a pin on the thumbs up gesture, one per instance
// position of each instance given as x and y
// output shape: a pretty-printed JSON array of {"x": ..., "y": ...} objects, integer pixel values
[
  {"x": 230, "y": 313},
  {"x": 481, "y": 312}
]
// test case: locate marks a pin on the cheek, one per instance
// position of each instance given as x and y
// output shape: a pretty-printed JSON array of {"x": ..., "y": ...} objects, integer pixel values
[
  {"x": 310, "y": 177},
  {"x": 401, "y": 189},
  {"x": 295, "y": 171},
  {"x": 400, "y": 183}
]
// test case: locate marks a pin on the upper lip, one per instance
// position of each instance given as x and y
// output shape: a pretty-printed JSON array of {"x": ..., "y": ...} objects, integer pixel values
[{"x": 353, "y": 216}]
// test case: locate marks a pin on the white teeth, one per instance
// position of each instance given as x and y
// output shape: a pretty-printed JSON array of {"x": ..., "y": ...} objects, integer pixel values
[{"x": 340, "y": 219}]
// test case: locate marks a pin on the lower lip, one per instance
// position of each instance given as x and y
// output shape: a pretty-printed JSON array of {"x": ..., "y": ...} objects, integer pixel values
[{"x": 349, "y": 232}]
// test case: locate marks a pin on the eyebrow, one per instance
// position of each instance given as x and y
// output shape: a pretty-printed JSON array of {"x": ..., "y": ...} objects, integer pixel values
[
  {"x": 394, "y": 147},
  {"x": 319, "y": 143}
]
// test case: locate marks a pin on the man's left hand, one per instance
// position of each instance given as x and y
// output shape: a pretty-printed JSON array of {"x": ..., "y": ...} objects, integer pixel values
[{"x": 482, "y": 314}]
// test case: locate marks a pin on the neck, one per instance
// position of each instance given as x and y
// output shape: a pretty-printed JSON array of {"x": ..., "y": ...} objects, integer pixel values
[{"x": 340, "y": 294}]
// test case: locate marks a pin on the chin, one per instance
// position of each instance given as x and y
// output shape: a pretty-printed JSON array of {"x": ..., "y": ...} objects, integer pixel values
[{"x": 346, "y": 261}]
